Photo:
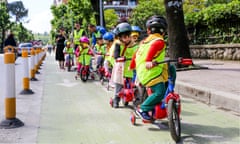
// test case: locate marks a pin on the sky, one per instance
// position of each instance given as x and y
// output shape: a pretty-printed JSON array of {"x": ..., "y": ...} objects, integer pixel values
[{"x": 39, "y": 15}]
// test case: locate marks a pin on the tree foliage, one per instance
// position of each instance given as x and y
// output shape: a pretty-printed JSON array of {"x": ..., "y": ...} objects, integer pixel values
[
  {"x": 4, "y": 22},
  {"x": 190, "y": 6},
  {"x": 212, "y": 14},
  {"x": 212, "y": 2},
  {"x": 218, "y": 20},
  {"x": 66, "y": 15},
  {"x": 18, "y": 10},
  {"x": 144, "y": 10},
  {"x": 111, "y": 18},
  {"x": 81, "y": 10}
]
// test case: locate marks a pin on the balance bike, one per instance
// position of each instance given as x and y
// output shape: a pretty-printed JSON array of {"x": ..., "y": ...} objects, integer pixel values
[
  {"x": 85, "y": 71},
  {"x": 170, "y": 107},
  {"x": 129, "y": 93}
]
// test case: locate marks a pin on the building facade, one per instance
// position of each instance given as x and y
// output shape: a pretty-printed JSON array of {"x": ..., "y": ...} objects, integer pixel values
[{"x": 123, "y": 8}]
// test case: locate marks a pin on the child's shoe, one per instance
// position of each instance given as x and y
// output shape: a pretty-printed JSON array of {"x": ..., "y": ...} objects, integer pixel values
[{"x": 144, "y": 115}]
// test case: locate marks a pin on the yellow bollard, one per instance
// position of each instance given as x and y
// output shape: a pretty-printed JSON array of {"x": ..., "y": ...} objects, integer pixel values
[
  {"x": 32, "y": 66},
  {"x": 10, "y": 91},
  {"x": 36, "y": 62},
  {"x": 26, "y": 84}
]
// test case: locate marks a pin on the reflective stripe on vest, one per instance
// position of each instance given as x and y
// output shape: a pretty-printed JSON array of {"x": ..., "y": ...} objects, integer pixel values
[{"x": 144, "y": 75}]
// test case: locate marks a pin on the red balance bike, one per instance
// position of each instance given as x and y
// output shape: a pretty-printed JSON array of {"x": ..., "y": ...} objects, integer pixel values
[
  {"x": 129, "y": 92},
  {"x": 170, "y": 107},
  {"x": 85, "y": 71}
]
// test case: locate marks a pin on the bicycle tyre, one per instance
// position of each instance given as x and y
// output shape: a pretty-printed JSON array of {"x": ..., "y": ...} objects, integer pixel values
[
  {"x": 174, "y": 121},
  {"x": 84, "y": 74}
]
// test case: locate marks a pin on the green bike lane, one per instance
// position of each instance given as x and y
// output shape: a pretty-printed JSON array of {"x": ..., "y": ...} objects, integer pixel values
[{"x": 77, "y": 112}]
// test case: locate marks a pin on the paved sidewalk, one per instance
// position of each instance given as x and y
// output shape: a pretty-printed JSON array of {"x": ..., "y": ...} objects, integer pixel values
[{"x": 219, "y": 85}]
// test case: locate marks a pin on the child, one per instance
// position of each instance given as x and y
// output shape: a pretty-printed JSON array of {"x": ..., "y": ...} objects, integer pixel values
[
  {"x": 136, "y": 31},
  {"x": 68, "y": 51},
  {"x": 123, "y": 51},
  {"x": 84, "y": 53},
  {"x": 108, "y": 40},
  {"x": 100, "y": 51}
]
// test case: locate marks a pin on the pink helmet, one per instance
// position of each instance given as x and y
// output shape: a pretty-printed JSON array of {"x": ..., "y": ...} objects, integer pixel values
[{"x": 84, "y": 39}]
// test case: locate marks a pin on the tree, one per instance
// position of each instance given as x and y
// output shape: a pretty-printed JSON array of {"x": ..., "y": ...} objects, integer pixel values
[
  {"x": 144, "y": 10},
  {"x": 177, "y": 34},
  {"x": 4, "y": 23},
  {"x": 212, "y": 2},
  {"x": 193, "y": 5},
  {"x": 111, "y": 18},
  {"x": 81, "y": 10},
  {"x": 18, "y": 10}
]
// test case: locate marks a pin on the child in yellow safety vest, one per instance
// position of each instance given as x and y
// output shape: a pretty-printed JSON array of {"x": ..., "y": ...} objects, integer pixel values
[
  {"x": 84, "y": 53},
  {"x": 69, "y": 53},
  {"x": 124, "y": 51},
  {"x": 100, "y": 50},
  {"x": 109, "y": 60},
  {"x": 151, "y": 50}
]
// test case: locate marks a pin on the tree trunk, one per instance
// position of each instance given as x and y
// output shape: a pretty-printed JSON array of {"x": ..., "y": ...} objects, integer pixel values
[{"x": 177, "y": 34}]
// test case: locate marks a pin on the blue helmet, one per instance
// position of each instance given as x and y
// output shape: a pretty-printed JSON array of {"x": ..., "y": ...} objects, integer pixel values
[
  {"x": 136, "y": 29},
  {"x": 101, "y": 29},
  {"x": 108, "y": 36}
]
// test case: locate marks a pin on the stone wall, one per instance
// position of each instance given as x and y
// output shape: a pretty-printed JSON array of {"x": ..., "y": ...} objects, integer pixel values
[{"x": 218, "y": 51}]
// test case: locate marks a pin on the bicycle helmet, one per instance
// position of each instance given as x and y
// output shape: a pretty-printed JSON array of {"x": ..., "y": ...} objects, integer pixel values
[
  {"x": 68, "y": 43},
  {"x": 136, "y": 29},
  {"x": 101, "y": 29},
  {"x": 157, "y": 22},
  {"x": 84, "y": 39},
  {"x": 123, "y": 28},
  {"x": 108, "y": 36}
]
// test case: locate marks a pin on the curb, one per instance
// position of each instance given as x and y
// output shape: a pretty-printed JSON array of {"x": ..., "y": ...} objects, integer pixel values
[{"x": 220, "y": 99}]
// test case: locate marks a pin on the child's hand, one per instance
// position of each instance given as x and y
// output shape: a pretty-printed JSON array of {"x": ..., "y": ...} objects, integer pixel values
[{"x": 149, "y": 65}]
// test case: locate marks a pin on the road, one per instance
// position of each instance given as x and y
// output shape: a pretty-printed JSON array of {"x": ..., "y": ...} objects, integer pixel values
[{"x": 77, "y": 112}]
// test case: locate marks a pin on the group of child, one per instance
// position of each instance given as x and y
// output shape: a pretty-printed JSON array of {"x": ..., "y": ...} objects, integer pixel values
[
  {"x": 121, "y": 45},
  {"x": 105, "y": 51}
]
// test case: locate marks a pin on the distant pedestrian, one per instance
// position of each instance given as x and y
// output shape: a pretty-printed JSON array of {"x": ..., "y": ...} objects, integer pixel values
[
  {"x": 10, "y": 40},
  {"x": 60, "y": 39}
]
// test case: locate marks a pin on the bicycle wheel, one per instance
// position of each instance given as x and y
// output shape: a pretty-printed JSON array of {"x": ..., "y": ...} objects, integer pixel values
[
  {"x": 174, "y": 121},
  {"x": 84, "y": 74}
]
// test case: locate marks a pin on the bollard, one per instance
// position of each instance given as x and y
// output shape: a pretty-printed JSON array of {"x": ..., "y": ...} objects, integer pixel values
[
  {"x": 26, "y": 84},
  {"x": 39, "y": 58},
  {"x": 10, "y": 92},
  {"x": 32, "y": 66},
  {"x": 36, "y": 62}
]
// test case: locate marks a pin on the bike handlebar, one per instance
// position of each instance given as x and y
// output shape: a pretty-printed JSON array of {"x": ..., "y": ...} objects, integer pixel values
[{"x": 182, "y": 61}]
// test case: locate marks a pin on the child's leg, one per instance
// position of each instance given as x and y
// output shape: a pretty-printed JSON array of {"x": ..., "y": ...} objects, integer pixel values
[
  {"x": 79, "y": 67},
  {"x": 118, "y": 88},
  {"x": 99, "y": 61}
]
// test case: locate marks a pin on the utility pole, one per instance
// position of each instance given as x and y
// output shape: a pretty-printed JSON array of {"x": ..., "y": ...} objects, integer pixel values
[{"x": 101, "y": 12}]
